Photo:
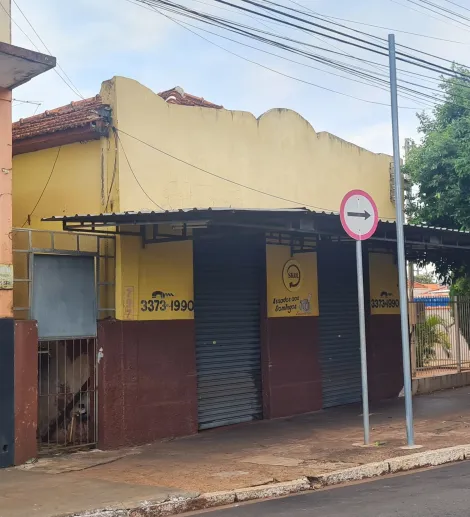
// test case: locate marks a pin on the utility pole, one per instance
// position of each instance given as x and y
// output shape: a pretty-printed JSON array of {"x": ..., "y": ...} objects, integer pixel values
[{"x": 401, "y": 245}]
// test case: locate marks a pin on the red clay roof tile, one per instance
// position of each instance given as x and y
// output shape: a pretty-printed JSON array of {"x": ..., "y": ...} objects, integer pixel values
[
  {"x": 74, "y": 115},
  {"x": 178, "y": 96},
  {"x": 81, "y": 113}
]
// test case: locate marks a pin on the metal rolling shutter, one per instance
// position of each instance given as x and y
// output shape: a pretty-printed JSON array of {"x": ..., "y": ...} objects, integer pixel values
[
  {"x": 227, "y": 279},
  {"x": 339, "y": 324}
]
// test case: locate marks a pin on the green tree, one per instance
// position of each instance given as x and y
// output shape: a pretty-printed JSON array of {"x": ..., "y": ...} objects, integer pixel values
[
  {"x": 425, "y": 278},
  {"x": 439, "y": 169},
  {"x": 431, "y": 334}
]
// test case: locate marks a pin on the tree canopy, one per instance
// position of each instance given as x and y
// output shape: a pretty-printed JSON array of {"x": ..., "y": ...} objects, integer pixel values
[
  {"x": 439, "y": 170},
  {"x": 425, "y": 277}
]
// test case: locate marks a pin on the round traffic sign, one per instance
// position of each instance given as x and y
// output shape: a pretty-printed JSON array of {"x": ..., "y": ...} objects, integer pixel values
[{"x": 359, "y": 215}]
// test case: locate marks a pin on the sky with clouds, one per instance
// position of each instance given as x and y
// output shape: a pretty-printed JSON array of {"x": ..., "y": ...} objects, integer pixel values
[{"x": 95, "y": 40}]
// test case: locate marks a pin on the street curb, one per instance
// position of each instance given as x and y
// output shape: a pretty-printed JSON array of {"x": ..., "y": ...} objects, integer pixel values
[
  {"x": 177, "y": 505},
  {"x": 418, "y": 460}
]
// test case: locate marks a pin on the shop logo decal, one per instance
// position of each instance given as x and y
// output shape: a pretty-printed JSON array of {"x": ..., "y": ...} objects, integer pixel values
[
  {"x": 305, "y": 306},
  {"x": 162, "y": 295},
  {"x": 292, "y": 275},
  {"x": 385, "y": 294}
]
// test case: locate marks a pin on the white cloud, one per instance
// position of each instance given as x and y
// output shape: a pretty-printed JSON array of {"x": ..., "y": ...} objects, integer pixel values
[{"x": 96, "y": 39}]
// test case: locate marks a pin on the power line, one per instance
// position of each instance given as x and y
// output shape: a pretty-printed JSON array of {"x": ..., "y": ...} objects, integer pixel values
[
  {"x": 46, "y": 47},
  {"x": 238, "y": 28},
  {"x": 284, "y": 74},
  {"x": 28, "y": 219},
  {"x": 325, "y": 18},
  {"x": 428, "y": 15},
  {"x": 372, "y": 80},
  {"x": 406, "y": 58},
  {"x": 384, "y": 28},
  {"x": 458, "y": 5},
  {"x": 71, "y": 86},
  {"x": 371, "y": 84},
  {"x": 114, "y": 171},
  {"x": 445, "y": 9},
  {"x": 348, "y": 28},
  {"x": 132, "y": 170},
  {"x": 303, "y": 205}
]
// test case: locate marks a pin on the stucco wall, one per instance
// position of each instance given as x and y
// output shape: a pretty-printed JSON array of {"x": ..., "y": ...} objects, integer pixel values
[
  {"x": 279, "y": 153},
  {"x": 155, "y": 282},
  {"x": 75, "y": 186}
]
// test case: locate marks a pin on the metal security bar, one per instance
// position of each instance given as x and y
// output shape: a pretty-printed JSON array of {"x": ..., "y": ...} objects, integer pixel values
[
  {"x": 27, "y": 242},
  {"x": 67, "y": 367},
  {"x": 67, "y": 403},
  {"x": 440, "y": 335}
]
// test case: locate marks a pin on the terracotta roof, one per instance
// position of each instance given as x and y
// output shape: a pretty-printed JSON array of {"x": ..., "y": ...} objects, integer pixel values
[
  {"x": 178, "y": 96},
  {"x": 80, "y": 121},
  {"x": 75, "y": 115}
]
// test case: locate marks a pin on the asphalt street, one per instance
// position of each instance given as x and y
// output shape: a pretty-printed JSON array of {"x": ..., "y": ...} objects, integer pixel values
[{"x": 440, "y": 492}]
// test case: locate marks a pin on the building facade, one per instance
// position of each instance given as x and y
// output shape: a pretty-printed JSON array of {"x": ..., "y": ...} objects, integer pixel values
[
  {"x": 17, "y": 66},
  {"x": 243, "y": 309}
]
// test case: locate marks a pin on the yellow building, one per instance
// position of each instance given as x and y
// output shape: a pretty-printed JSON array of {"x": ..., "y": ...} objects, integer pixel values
[{"x": 225, "y": 286}]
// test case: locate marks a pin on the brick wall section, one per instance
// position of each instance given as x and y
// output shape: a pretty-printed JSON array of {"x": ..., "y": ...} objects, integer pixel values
[
  {"x": 26, "y": 390},
  {"x": 148, "y": 386},
  {"x": 384, "y": 361},
  {"x": 291, "y": 367}
]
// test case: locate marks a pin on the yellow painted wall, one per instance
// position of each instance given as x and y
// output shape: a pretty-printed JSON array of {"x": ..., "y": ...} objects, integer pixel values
[
  {"x": 279, "y": 153},
  {"x": 292, "y": 283},
  {"x": 156, "y": 282},
  {"x": 75, "y": 185},
  {"x": 5, "y": 21},
  {"x": 384, "y": 296}
]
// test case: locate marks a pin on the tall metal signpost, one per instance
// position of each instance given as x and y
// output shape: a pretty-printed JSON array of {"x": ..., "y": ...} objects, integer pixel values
[
  {"x": 359, "y": 217},
  {"x": 405, "y": 341}
]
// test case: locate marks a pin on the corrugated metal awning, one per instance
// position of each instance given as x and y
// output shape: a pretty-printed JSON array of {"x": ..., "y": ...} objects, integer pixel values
[{"x": 294, "y": 220}]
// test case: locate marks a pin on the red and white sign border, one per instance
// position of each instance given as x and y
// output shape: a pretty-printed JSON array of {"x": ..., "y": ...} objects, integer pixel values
[{"x": 347, "y": 197}]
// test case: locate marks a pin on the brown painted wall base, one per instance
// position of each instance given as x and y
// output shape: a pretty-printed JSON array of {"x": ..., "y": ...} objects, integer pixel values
[
  {"x": 385, "y": 365},
  {"x": 291, "y": 368},
  {"x": 148, "y": 387},
  {"x": 26, "y": 390}
]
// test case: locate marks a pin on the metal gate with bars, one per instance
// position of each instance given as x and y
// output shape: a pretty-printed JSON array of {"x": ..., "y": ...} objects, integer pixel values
[
  {"x": 65, "y": 281},
  {"x": 440, "y": 335},
  {"x": 227, "y": 276}
]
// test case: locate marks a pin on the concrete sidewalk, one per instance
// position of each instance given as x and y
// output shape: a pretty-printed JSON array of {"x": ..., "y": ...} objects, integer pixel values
[{"x": 231, "y": 458}]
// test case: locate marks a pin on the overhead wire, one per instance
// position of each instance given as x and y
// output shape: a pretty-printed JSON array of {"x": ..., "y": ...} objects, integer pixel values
[
  {"x": 221, "y": 23},
  {"x": 428, "y": 15},
  {"x": 411, "y": 95},
  {"x": 182, "y": 24},
  {"x": 393, "y": 29},
  {"x": 354, "y": 30},
  {"x": 28, "y": 219},
  {"x": 69, "y": 85},
  {"x": 445, "y": 9},
  {"x": 132, "y": 170},
  {"x": 458, "y": 5},
  {"x": 186, "y": 11},
  {"x": 228, "y": 180},
  {"x": 378, "y": 49},
  {"x": 325, "y": 18},
  {"x": 357, "y": 71},
  {"x": 47, "y": 48}
]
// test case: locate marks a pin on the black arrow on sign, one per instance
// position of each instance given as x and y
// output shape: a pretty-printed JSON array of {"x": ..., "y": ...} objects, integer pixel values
[{"x": 364, "y": 214}]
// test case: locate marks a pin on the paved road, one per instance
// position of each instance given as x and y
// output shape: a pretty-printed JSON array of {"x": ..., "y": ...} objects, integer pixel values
[{"x": 442, "y": 492}]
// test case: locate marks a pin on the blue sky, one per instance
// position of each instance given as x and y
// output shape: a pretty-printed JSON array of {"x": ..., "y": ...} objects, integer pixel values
[{"x": 95, "y": 40}]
